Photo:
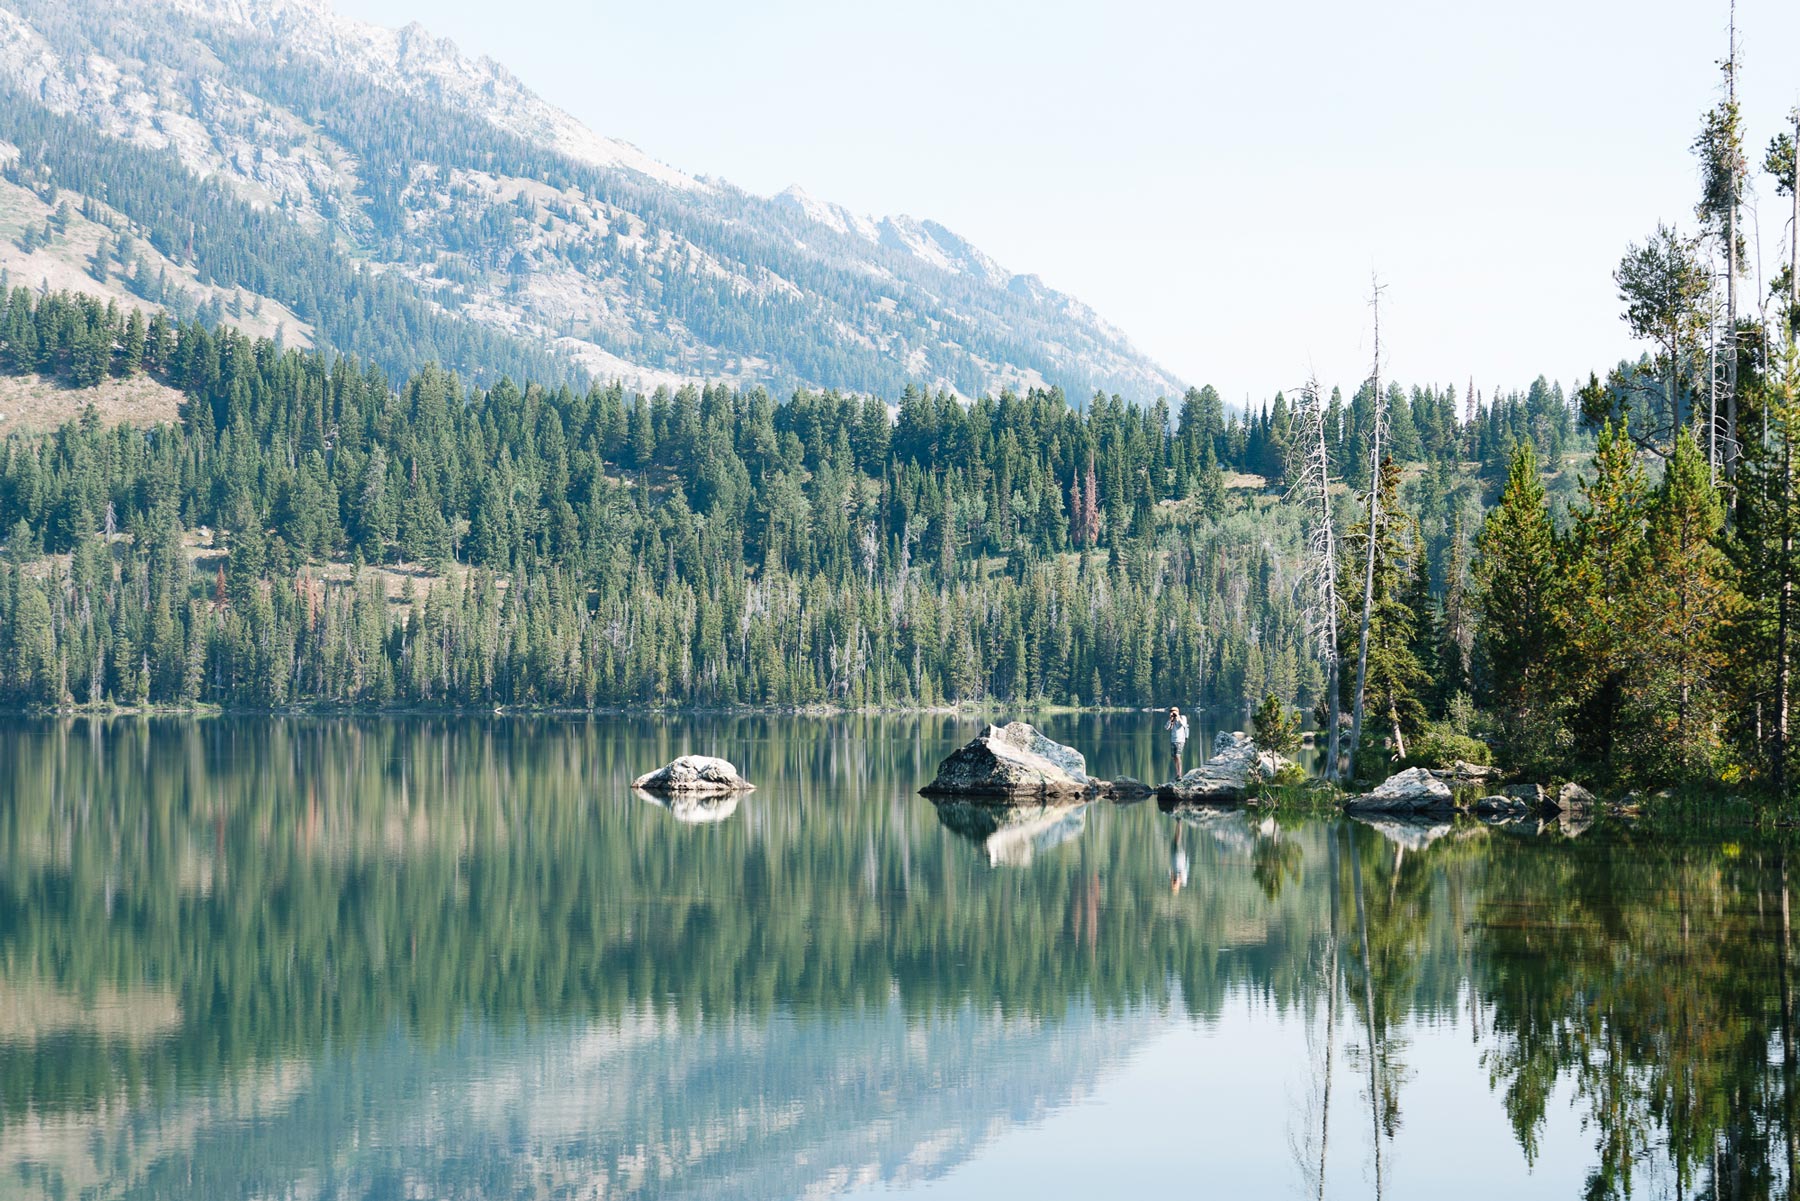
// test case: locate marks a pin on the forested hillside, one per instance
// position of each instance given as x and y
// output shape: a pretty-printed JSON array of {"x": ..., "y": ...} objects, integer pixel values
[
  {"x": 407, "y": 204},
  {"x": 312, "y": 532}
]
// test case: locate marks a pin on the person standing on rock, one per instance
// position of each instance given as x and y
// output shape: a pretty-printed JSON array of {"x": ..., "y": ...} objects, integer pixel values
[{"x": 1178, "y": 736}]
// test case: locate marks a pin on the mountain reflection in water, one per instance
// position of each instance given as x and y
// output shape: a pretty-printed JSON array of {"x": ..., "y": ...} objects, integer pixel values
[{"x": 460, "y": 958}]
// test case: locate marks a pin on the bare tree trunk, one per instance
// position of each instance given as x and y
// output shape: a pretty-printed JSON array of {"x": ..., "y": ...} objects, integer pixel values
[
  {"x": 1362, "y": 652},
  {"x": 1712, "y": 382},
  {"x": 1731, "y": 274},
  {"x": 1310, "y": 469}
]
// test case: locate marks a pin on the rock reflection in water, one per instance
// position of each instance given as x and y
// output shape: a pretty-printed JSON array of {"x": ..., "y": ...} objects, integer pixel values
[
  {"x": 1013, "y": 835},
  {"x": 693, "y": 809},
  {"x": 1409, "y": 834}
]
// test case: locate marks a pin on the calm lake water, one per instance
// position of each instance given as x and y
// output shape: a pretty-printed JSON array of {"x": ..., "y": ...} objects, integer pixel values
[{"x": 419, "y": 958}]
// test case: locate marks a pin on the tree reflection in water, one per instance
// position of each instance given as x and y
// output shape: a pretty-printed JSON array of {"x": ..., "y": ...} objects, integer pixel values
[{"x": 218, "y": 931}]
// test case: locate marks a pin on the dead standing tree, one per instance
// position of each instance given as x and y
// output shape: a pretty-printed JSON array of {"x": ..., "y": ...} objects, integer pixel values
[
  {"x": 1723, "y": 168},
  {"x": 1379, "y": 403},
  {"x": 1309, "y": 469}
]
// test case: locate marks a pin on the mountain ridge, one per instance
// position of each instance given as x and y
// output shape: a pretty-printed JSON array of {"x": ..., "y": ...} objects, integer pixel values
[{"x": 492, "y": 207}]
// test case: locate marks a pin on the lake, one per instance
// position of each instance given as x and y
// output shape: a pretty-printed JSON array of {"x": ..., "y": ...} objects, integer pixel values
[{"x": 418, "y": 957}]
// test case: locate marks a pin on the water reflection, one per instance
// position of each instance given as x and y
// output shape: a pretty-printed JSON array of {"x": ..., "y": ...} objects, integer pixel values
[
  {"x": 1012, "y": 835},
  {"x": 462, "y": 958},
  {"x": 693, "y": 810}
]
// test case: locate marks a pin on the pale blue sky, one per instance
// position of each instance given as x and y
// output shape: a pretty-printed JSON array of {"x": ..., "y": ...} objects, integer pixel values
[{"x": 1218, "y": 180}]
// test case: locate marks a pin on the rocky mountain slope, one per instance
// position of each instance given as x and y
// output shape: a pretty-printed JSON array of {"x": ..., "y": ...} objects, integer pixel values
[{"x": 377, "y": 191}]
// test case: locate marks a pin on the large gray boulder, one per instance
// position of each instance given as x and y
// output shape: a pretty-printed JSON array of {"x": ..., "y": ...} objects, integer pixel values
[
  {"x": 1414, "y": 790},
  {"x": 1225, "y": 779},
  {"x": 1013, "y": 760},
  {"x": 693, "y": 774}
]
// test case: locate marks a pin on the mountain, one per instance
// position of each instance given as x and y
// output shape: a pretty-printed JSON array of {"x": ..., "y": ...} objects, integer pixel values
[{"x": 376, "y": 191}]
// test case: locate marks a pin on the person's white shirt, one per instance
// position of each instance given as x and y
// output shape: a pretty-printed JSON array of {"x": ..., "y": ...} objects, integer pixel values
[{"x": 1178, "y": 730}]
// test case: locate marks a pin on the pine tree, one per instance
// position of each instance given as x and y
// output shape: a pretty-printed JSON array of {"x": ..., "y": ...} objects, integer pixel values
[
  {"x": 1515, "y": 598},
  {"x": 1604, "y": 569},
  {"x": 1425, "y": 637},
  {"x": 1764, "y": 550},
  {"x": 1689, "y": 601},
  {"x": 1457, "y": 633}
]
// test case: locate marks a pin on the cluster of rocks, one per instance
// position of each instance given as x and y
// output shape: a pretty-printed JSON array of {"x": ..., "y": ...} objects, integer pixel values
[
  {"x": 1418, "y": 791},
  {"x": 1016, "y": 762}
]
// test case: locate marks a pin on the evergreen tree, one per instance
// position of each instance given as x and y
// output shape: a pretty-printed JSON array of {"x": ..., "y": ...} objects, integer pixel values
[
  {"x": 1689, "y": 602},
  {"x": 1395, "y": 682},
  {"x": 1515, "y": 599},
  {"x": 1600, "y": 607},
  {"x": 1764, "y": 549}
]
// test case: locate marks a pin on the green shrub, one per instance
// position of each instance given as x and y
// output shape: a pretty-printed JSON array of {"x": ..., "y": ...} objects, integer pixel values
[
  {"x": 1277, "y": 728},
  {"x": 1440, "y": 746}
]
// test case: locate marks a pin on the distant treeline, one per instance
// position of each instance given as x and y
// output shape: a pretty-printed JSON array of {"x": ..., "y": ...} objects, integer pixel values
[{"x": 701, "y": 546}]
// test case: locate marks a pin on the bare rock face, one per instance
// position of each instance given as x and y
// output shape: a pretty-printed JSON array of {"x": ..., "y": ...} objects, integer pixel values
[
  {"x": 1224, "y": 779},
  {"x": 1013, "y": 760},
  {"x": 1414, "y": 790},
  {"x": 694, "y": 774}
]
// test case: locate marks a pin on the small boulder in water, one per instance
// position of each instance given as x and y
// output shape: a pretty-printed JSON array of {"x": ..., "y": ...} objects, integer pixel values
[
  {"x": 1414, "y": 790},
  {"x": 694, "y": 774},
  {"x": 1012, "y": 760}
]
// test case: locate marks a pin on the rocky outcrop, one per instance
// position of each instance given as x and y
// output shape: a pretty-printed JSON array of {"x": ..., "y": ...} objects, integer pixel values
[
  {"x": 1415, "y": 790},
  {"x": 1013, "y": 760},
  {"x": 1225, "y": 779},
  {"x": 693, "y": 774}
]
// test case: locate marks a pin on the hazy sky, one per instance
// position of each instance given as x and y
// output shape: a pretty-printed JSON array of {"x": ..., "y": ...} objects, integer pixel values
[{"x": 1218, "y": 180}]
